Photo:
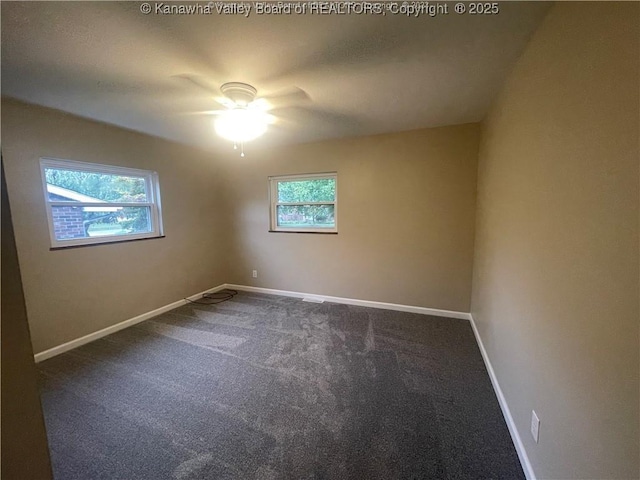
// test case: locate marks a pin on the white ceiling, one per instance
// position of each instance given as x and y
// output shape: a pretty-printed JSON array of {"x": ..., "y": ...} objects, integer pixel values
[{"x": 363, "y": 74}]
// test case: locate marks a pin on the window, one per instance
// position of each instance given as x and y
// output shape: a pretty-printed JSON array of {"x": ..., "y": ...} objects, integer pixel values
[
  {"x": 304, "y": 203},
  {"x": 89, "y": 203}
]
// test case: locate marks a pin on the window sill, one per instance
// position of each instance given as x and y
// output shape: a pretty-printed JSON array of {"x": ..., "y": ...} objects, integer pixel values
[{"x": 97, "y": 244}]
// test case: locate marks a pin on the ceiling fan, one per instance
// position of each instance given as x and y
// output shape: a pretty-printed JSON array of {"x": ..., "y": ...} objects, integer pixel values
[{"x": 245, "y": 116}]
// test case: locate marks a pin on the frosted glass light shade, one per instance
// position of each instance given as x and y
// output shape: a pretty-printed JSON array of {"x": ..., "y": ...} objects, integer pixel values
[{"x": 241, "y": 124}]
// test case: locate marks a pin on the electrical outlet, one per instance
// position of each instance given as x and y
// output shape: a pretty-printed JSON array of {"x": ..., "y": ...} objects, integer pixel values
[
  {"x": 255, "y": 274},
  {"x": 535, "y": 425}
]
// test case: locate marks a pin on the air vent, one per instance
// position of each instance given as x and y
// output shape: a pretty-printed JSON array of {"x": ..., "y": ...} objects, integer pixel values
[{"x": 313, "y": 299}]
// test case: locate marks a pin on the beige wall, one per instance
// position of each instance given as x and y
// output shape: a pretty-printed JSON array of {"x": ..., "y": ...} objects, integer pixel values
[
  {"x": 555, "y": 288},
  {"x": 74, "y": 292},
  {"x": 406, "y": 218}
]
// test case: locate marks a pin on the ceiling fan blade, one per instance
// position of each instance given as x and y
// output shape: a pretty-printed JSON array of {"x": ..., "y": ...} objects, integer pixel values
[
  {"x": 305, "y": 124},
  {"x": 204, "y": 112},
  {"x": 314, "y": 117},
  {"x": 200, "y": 82},
  {"x": 287, "y": 97}
]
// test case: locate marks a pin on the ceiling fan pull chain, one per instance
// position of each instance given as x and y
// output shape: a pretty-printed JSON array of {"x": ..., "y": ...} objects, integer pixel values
[{"x": 242, "y": 149}]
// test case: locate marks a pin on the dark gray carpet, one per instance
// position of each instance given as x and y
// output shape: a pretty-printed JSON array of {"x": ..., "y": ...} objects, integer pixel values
[{"x": 266, "y": 387}]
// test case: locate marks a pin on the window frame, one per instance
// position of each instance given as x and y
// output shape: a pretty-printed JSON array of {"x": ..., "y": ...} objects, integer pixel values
[
  {"x": 152, "y": 186},
  {"x": 273, "y": 203}
]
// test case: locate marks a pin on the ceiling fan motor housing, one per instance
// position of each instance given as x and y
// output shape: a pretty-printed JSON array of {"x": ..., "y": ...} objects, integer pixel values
[{"x": 239, "y": 93}]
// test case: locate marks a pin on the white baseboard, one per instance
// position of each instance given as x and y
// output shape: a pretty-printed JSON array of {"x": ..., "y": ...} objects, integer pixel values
[
  {"x": 65, "y": 347},
  {"x": 515, "y": 436},
  {"x": 353, "y": 301}
]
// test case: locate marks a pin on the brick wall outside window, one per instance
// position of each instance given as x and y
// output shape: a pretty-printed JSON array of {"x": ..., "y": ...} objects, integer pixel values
[{"x": 67, "y": 222}]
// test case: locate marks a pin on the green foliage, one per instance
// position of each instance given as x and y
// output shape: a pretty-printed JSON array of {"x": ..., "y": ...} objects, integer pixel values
[
  {"x": 321, "y": 190},
  {"x": 110, "y": 188},
  {"x": 306, "y": 215},
  {"x": 135, "y": 219}
]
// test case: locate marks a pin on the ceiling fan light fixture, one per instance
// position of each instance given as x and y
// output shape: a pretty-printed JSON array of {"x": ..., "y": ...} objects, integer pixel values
[
  {"x": 241, "y": 124},
  {"x": 240, "y": 93}
]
